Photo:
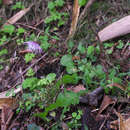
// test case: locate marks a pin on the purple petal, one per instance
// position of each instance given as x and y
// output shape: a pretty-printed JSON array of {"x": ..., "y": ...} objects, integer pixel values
[{"x": 33, "y": 46}]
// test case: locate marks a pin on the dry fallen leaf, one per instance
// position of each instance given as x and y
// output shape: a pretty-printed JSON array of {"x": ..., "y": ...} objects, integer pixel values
[
  {"x": 105, "y": 103},
  {"x": 116, "y": 85},
  {"x": 123, "y": 124},
  {"x": 77, "y": 88},
  {"x": 127, "y": 124},
  {"x": 8, "y": 102}
]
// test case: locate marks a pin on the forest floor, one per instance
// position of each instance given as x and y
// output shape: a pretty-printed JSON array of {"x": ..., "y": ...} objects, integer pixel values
[{"x": 51, "y": 81}]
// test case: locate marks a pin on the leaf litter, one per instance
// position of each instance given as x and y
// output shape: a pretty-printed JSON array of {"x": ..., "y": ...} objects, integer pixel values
[{"x": 97, "y": 107}]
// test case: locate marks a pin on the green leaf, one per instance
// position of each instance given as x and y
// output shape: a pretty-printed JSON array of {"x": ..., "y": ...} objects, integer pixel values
[
  {"x": 45, "y": 45},
  {"x": 120, "y": 46},
  {"x": 55, "y": 37},
  {"x": 3, "y": 52},
  {"x": 1, "y": 67},
  {"x": 42, "y": 82},
  {"x": 51, "y": 77},
  {"x": 44, "y": 42},
  {"x": 63, "y": 100},
  {"x": 109, "y": 51},
  {"x": 90, "y": 50},
  {"x": 82, "y": 2},
  {"x": 81, "y": 48},
  {"x": 8, "y": 29},
  {"x": 70, "y": 44},
  {"x": 30, "y": 83},
  {"x": 74, "y": 114},
  {"x": 29, "y": 57},
  {"x": 66, "y": 60},
  {"x": 51, "y": 5},
  {"x": 67, "y": 98},
  {"x": 78, "y": 117},
  {"x": 71, "y": 69},
  {"x": 30, "y": 72},
  {"x": 70, "y": 79},
  {"x": 20, "y": 30},
  {"x": 18, "y": 5},
  {"x": 59, "y": 3},
  {"x": 107, "y": 45}
]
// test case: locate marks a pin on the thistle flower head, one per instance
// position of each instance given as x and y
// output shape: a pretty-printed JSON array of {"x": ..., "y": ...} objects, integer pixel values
[{"x": 34, "y": 47}]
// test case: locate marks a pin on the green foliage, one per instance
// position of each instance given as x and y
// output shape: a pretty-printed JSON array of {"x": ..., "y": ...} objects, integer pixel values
[
  {"x": 120, "y": 45},
  {"x": 67, "y": 61},
  {"x": 51, "y": 77},
  {"x": 8, "y": 29},
  {"x": 81, "y": 48},
  {"x": 70, "y": 79},
  {"x": 18, "y": 5},
  {"x": 113, "y": 78},
  {"x": 90, "y": 50},
  {"x": 30, "y": 83},
  {"x": 3, "y": 52},
  {"x": 75, "y": 121},
  {"x": 63, "y": 100},
  {"x": 20, "y": 41},
  {"x": 107, "y": 45},
  {"x": 70, "y": 44},
  {"x": 54, "y": 14},
  {"x": 44, "y": 42},
  {"x": 30, "y": 72},
  {"x": 38, "y": 91},
  {"x": 82, "y": 2},
  {"x": 29, "y": 57},
  {"x": 20, "y": 31},
  {"x": 3, "y": 39}
]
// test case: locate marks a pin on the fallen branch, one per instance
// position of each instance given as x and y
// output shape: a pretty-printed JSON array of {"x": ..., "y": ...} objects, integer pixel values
[{"x": 116, "y": 29}]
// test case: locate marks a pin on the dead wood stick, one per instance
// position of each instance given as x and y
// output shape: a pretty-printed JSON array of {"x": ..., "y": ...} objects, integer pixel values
[{"x": 116, "y": 29}]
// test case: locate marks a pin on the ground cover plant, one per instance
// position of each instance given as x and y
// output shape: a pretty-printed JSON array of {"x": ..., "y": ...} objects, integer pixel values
[{"x": 55, "y": 73}]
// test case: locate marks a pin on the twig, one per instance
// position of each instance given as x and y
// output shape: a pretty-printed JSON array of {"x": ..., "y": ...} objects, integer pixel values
[
  {"x": 3, "y": 94},
  {"x": 31, "y": 66},
  {"x": 89, "y": 3},
  {"x": 106, "y": 117}
]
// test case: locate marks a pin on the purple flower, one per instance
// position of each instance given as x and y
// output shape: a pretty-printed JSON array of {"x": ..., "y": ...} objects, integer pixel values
[{"x": 34, "y": 47}]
